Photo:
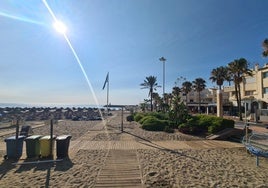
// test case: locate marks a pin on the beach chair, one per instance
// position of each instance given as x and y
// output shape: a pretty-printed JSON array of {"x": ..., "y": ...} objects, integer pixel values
[{"x": 257, "y": 144}]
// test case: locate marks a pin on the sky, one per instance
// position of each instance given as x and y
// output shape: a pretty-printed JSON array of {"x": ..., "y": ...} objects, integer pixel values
[{"x": 125, "y": 38}]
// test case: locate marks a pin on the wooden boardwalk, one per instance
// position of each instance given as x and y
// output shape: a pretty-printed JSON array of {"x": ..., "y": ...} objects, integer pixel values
[{"x": 121, "y": 170}]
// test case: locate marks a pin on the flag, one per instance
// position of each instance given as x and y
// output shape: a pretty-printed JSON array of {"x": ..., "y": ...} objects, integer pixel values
[{"x": 106, "y": 80}]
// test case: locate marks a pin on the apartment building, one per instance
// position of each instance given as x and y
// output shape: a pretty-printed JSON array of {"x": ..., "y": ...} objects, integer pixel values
[
  {"x": 254, "y": 94},
  {"x": 208, "y": 100}
]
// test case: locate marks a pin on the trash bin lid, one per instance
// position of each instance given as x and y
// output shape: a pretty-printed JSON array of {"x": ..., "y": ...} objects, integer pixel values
[
  {"x": 63, "y": 137},
  {"x": 14, "y": 138},
  {"x": 47, "y": 137},
  {"x": 33, "y": 137}
]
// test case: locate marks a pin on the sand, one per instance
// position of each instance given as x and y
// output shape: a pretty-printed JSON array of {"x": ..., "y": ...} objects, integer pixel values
[{"x": 165, "y": 160}]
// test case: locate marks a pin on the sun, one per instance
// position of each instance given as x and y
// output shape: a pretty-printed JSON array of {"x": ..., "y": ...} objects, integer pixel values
[{"x": 60, "y": 27}]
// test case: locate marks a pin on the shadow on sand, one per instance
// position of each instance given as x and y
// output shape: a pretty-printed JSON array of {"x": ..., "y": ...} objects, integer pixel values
[
  {"x": 156, "y": 146},
  {"x": 6, "y": 166},
  {"x": 36, "y": 164}
]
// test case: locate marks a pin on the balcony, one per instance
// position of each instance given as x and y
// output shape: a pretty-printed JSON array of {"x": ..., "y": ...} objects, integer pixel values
[{"x": 228, "y": 88}]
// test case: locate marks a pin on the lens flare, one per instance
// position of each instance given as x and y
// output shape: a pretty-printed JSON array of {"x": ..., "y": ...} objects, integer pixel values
[
  {"x": 60, "y": 27},
  {"x": 19, "y": 18},
  {"x": 75, "y": 55}
]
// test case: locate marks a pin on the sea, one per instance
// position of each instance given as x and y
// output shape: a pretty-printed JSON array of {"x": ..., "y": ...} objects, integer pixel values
[{"x": 23, "y": 105}]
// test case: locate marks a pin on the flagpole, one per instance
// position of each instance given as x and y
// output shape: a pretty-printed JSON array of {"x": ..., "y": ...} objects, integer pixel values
[{"x": 108, "y": 83}]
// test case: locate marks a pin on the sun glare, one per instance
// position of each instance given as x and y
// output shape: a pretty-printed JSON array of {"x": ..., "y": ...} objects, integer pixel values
[{"x": 60, "y": 27}]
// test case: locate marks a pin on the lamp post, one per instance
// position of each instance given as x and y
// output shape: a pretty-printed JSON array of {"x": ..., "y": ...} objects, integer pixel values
[{"x": 163, "y": 60}]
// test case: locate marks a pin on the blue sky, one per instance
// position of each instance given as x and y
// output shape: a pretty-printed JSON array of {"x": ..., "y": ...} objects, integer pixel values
[{"x": 125, "y": 38}]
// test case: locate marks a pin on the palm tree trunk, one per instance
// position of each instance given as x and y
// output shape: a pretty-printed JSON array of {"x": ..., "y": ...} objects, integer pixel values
[
  {"x": 239, "y": 103},
  {"x": 199, "y": 104},
  {"x": 151, "y": 101},
  {"x": 237, "y": 98}
]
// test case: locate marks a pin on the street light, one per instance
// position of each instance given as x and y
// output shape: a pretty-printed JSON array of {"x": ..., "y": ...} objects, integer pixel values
[{"x": 163, "y": 60}]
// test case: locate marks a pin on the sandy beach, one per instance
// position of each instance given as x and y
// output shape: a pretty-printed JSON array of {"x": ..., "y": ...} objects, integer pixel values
[{"x": 99, "y": 150}]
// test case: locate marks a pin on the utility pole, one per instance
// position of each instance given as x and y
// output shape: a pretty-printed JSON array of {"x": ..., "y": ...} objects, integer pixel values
[{"x": 162, "y": 59}]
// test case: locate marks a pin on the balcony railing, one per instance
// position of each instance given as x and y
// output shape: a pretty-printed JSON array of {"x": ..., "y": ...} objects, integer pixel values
[{"x": 228, "y": 88}]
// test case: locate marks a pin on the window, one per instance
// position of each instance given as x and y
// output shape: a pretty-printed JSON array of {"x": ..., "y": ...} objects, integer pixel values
[
  {"x": 265, "y": 90},
  {"x": 251, "y": 80},
  {"x": 265, "y": 75},
  {"x": 249, "y": 93}
]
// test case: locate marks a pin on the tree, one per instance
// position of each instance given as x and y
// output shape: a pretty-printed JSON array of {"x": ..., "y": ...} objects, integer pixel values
[
  {"x": 219, "y": 75},
  {"x": 157, "y": 101},
  {"x": 178, "y": 112},
  {"x": 237, "y": 70},
  {"x": 265, "y": 48},
  {"x": 176, "y": 91},
  {"x": 199, "y": 84},
  {"x": 151, "y": 84},
  {"x": 186, "y": 88}
]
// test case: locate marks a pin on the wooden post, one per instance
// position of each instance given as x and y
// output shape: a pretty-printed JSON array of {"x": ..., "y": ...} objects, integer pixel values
[
  {"x": 257, "y": 161},
  {"x": 17, "y": 137},
  {"x": 51, "y": 138},
  {"x": 122, "y": 116}
]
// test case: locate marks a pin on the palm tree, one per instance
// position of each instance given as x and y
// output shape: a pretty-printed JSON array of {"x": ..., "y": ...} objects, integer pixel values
[
  {"x": 237, "y": 70},
  {"x": 156, "y": 100},
  {"x": 219, "y": 75},
  {"x": 176, "y": 91},
  {"x": 151, "y": 84},
  {"x": 199, "y": 84},
  {"x": 265, "y": 48},
  {"x": 186, "y": 88}
]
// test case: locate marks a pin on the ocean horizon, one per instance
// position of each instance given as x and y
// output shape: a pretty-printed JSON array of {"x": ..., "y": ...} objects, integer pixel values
[{"x": 25, "y": 105}]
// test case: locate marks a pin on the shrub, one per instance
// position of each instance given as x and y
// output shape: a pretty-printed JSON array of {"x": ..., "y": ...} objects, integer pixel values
[
  {"x": 220, "y": 124},
  {"x": 168, "y": 129},
  {"x": 228, "y": 123},
  {"x": 153, "y": 124},
  {"x": 130, "y": 118},
  {"x": 205, "y": 123},
  {"x": 138, "y": 117},
  {"x": 184, "y": 128},
  {"x": 158, "y": 115}
]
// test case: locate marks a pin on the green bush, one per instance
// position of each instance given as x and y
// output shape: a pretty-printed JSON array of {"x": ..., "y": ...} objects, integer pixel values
[
  {"x": 220, "y": 124},
  {"x": 153, "y": 124},
  {"x": 228, "y": 123},
  {"x": 205, "y": 123},
  {"x": 158, "y": 115},
  {"x": 168, "y": 129},
  {"x": 184, "y": 128},
  {"x": 138, "y": 117},
  {"x": 130, "y": 118}
]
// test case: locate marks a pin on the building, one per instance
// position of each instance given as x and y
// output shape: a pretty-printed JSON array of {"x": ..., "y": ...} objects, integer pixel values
[
  {"x": 208, "y": 101},
  {"x": 254, "y": 94}
]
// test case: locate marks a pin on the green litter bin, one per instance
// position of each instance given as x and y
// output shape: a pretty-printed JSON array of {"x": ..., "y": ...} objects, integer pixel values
[
  {"x": 63, "y": 143},
  {"x": 14, "y": 148},
  {"x": 33, "y": 146},
  {"x": 45, "y": 149}
]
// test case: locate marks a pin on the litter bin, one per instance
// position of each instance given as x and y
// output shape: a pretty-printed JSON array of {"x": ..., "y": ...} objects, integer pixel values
[
  {"x": 33, "y": 146},
  {"x": 45, "y": 149},
  {"x": 26, "y": 130},
  {"x": 14, "y": 148},
  {"x": 63, "y": 143}
]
